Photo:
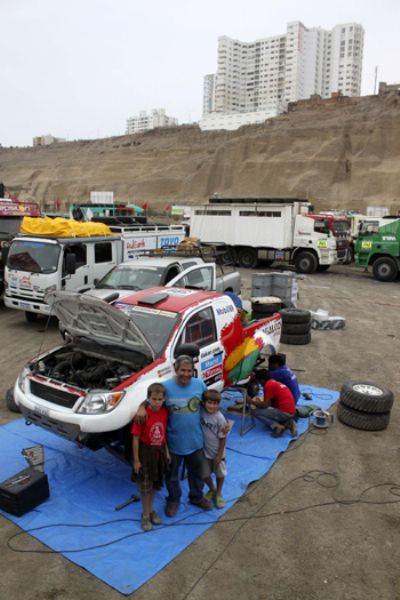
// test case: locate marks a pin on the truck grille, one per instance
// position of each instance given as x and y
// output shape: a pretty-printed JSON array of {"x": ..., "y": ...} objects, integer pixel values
[
  {"x": 54, "y": 395},
  {"x": 23, "y": 294}
]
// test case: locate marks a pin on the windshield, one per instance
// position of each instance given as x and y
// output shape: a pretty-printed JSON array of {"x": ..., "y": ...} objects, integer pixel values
[
  {"x": 32, "y": 256},
  {"x": 131, "y": 278},
  {"x": 341, "y": 227},
  {"x": 155, "y": 324},
  {"x": 321, "y": 226},
  {"x": 368, "y": 227}
]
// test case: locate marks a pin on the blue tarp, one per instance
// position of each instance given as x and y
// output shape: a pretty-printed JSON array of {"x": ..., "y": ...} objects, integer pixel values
[{"x": 86, "y": 486}]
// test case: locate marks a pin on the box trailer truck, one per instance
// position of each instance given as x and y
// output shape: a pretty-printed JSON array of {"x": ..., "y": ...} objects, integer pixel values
[{"x": 272, "y": 229}]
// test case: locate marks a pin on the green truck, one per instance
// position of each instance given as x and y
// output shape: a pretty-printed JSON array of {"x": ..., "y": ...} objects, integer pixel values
[{"x": 378, "y": 246}]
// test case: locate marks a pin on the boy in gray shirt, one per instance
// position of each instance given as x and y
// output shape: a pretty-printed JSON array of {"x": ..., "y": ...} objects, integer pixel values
[{"x": 215, "y": 429}]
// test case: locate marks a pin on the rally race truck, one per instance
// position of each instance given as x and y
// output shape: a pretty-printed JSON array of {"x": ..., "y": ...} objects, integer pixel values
[{"x": 88, "y": 389}]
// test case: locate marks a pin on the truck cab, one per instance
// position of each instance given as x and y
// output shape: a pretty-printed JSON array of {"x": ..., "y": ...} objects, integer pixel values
[
  {"x": 339, "y": 228},
  {"x": 378, "y": 247},
  {"x": 37, "y": 265}
]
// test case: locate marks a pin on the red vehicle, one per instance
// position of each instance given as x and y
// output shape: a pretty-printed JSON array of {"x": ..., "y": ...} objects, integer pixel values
[
  {"x": 339, "y": 227},
  {"x": 12, "y": 211}
]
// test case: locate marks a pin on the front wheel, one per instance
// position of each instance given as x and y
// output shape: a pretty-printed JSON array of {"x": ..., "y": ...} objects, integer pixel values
[
  {"x": 248, "y": 258},
  {"x": 10, "y": 402},
  {"x": 385, "y": 269},
  {"x": 306, "y": 262},
  {"x": 30, "y": 317}
]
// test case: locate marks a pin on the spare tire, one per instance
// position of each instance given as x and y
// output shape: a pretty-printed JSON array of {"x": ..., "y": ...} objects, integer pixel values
[
  {"x": 366, "y": 396},
  {"x": 295, "y": 328},
  {"x": 362, "y": 420},
  {"x": 266, "y": 309},
  {"x": 295, "y": 315},
  {"x": 297, "y": 339}
]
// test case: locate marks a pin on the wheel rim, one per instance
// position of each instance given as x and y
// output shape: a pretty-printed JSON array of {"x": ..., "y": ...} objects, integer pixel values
[
  {"x": 384, "y": 270},
  {"x": 365, "y": 388},
  {"x": 305, "y": 264}
]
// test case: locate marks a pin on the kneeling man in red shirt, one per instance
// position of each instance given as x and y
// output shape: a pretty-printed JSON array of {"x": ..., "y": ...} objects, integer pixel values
[{"x": 277, "y": 409}]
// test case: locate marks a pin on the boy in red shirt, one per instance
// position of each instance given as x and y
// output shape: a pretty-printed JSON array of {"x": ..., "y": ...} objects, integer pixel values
[
  {"x": 277, "y": 409},
  {"x": 150, "y": 453}
]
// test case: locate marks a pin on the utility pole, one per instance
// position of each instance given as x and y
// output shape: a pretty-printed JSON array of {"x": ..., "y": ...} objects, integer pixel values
[{"x": 376, "y": 79}]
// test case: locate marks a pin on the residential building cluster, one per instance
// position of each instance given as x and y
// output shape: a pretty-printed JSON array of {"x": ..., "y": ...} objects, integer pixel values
[
  {"x": 46, "y": 140},
  {"x": 256, "y": 80},
  {"x": 145, "y": 121}
]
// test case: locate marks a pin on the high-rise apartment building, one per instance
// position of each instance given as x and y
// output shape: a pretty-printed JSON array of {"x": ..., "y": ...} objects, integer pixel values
[
  {"x": 145, "y": 121},
  {"x": 261, "y": 77},
  {"x": 209, "y": 93}
]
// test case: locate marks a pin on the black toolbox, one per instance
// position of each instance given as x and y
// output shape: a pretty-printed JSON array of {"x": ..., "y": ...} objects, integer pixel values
[{"x": 23, "y": 491}]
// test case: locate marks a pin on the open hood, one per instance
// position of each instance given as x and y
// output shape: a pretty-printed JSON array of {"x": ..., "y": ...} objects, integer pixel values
[
  {"x": 103, "y": 293},
  {"x": 83, "y": 315}
]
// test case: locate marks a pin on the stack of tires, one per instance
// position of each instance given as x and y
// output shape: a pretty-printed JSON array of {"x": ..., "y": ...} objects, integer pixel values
[
  {"x": 265, "y": 306},
  {"x": 296, "y": 326},
  {"x": 365, "y": 405}
]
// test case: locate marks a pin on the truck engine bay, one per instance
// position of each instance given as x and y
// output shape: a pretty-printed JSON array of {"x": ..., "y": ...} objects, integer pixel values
[{"x": 87, "y": 369}]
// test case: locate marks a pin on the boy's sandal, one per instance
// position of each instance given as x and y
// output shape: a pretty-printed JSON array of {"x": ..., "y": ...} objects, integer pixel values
[
  {"x": 219, "y": 502},
  {"x": 155, "y": 518}
]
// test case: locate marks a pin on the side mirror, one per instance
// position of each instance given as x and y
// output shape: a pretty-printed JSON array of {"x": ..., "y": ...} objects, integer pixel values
[
  {"x": 95, "y": 281},
  {"x": 4, "y": 253},
  {"x": 191, "y": 350},
  {"x": 70, "y": 264}
]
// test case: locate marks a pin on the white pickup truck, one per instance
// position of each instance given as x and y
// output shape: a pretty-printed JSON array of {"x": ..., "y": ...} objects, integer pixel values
[
  {"x": 88, "y": 389},
  {"x": 172, "y": 271}
]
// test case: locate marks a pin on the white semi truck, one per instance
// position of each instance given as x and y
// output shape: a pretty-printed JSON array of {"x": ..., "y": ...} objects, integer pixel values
[{"x": 273, "y": 229}]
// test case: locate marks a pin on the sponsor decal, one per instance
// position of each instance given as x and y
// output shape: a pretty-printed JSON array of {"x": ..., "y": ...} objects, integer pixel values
[
  {"x": 25, "y": 281},
  {"x": 164, "y": 371},
  {"x": 389, "y": 238},
  {"x": 223, "y": 310},
  {"x": 180, "y": 292},
  {"x": 212, "y": 372},
  {"x": 136, "y": 244},
  {"x": 322, "y": 243},
  {"x": 214, "y": 378},
  {"x": 170, "y": 240},
  {"x": 211, "y": 362},
  {"x": 366, "y": 245}
]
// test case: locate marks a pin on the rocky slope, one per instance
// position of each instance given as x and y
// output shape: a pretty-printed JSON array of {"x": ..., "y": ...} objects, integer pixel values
[{"x": 337, "y": 154}]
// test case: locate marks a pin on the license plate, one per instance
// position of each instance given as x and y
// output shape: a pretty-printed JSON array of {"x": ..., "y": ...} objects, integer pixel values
[
  {"x": 24, "y": 305},
  {"x": 43, "y": 412}
]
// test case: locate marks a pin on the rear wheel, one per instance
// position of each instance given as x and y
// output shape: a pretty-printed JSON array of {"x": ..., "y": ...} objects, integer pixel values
[
  {"x": 30, "y": 316},
  {"x": 385, "y": 269},
  {"x": 306, "y": 262},
  {"x": 248, "y": 258}
]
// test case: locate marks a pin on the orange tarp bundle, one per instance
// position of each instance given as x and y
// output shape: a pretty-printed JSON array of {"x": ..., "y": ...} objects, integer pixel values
[{"x": 60, "y": 227}]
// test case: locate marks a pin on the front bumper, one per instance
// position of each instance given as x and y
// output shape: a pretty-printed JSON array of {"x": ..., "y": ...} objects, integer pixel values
[{"x": 28, "y": 304}]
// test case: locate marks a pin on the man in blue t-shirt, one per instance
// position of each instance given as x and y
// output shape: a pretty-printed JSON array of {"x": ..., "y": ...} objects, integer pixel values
[
  {"x": 183, "y": 394},
  {"x": 281, "y": 372},
  {"x": 184, "y": 435}
]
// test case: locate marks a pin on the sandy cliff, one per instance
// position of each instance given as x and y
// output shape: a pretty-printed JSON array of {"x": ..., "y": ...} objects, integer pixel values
[{"x": 338, "y": 154}]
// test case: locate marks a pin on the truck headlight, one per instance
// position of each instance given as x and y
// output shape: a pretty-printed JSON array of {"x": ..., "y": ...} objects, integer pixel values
[
  {"x": 99, "y": 401},
  {"x": 51, "y": 288},
  {"x": 22, "y": 381}
]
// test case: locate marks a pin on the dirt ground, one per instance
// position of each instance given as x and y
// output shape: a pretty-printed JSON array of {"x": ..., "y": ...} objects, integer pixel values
[{"x": 333, "y": 534}]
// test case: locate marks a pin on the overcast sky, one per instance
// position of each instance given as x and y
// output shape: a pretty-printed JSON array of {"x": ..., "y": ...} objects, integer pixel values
[{"x": 79, "y": 68}]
